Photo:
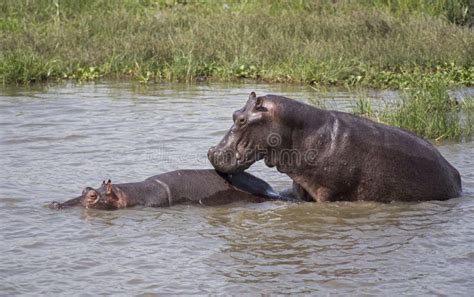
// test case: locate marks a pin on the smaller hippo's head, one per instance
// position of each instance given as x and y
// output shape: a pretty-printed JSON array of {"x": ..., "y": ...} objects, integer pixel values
[
  {"x": 100, "y": 198},
  {"x": 255, "y": 131}
]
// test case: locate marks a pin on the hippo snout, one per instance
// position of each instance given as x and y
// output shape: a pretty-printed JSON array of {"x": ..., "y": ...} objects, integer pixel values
[
  {"x": 214, "y": 155},
  {"x": 55, "y": 205},
  {"x": 211, "y": 154},
  {"x": 221, "y": 160},
  {"x": 227, "y": 160}
]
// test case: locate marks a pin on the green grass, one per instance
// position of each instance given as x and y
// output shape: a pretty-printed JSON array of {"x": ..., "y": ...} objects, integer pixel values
[
  {"x": 427, "y": 110},
  {"x": 379, "y": 43}
]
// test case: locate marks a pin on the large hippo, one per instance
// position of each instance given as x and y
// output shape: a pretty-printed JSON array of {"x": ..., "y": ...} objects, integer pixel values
[
  {"x": 333, "y": 155},
  {"x": 206, "y": 187}
]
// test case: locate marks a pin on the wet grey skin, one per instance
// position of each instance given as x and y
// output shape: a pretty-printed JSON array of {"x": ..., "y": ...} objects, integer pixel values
[
  {"x": 333, "y": 156},
  {"x": 206, "y": 187}
]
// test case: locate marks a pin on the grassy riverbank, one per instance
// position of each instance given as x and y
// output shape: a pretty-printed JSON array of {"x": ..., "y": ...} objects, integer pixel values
[
  {"x": 427, "y": 110},
  {"x": 379, "y": 43}
]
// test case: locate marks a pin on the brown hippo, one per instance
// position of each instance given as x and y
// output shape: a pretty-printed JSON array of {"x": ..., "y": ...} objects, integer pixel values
[
  {"x": 333, "y": 155},
  {"x": 206, "y": 187}
]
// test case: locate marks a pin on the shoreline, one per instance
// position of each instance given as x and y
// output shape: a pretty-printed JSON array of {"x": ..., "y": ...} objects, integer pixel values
[{"x": 321, "y": 43}]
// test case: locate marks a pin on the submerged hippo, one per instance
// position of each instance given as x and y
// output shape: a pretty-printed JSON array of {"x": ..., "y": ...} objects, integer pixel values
[
  {"x": 206, "y": 187},
  {"x": 334, "y": 155}
]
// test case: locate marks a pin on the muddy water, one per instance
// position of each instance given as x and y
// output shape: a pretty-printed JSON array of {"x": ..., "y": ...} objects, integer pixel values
[{"x": 56, "y": 140}]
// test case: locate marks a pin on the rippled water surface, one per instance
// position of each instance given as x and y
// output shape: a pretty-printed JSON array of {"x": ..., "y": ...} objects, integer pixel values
[{"x": 56, "y": 140}]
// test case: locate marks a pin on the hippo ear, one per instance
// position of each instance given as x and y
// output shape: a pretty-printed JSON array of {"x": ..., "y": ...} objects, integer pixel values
[
  {"x": 259, "y": 102},
  {"x": 108, "y": 187},
  {"x": 252, "y": 96}
]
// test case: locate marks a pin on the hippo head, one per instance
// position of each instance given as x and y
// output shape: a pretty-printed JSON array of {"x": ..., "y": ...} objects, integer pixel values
[
  {"x": 253, "y": 135},
  {"x": 100, "y": 198}
]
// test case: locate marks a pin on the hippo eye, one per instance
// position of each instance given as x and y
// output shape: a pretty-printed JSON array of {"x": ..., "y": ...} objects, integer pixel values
[{"x": 93, "y": 195}]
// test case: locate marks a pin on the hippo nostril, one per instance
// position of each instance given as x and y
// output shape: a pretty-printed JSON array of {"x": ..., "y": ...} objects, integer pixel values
[{"x": 213, "y": 155}]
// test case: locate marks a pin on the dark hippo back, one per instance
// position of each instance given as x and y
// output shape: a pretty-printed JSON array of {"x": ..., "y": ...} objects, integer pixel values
[{"x": 395, "y": 164}]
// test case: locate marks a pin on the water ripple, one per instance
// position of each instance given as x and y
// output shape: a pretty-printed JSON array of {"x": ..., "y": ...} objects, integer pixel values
[{"x": 54, "y": 141}]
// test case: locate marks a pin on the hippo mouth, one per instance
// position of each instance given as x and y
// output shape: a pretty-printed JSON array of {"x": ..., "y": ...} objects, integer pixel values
[
  {"x": 246, "y": 152},
  {"x": 242, "y": 151},
  {"x": 235, "y": 153}
]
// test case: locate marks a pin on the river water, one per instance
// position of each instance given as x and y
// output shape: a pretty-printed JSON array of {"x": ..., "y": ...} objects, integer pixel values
[{"x": 56, "y": 140}]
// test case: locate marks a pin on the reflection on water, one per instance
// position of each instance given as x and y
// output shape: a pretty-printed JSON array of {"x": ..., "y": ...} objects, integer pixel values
[{"x": 54, "y": 141}]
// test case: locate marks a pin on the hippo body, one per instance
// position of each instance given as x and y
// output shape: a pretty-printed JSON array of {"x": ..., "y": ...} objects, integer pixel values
[
  {"x": 206, "y": 187},
  {"x": 332, "y": 155}
]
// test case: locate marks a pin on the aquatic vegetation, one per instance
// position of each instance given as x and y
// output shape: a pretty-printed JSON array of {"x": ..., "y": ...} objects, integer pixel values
[
  {"x": 427, "y": 110},
  {"x": 383, "y": 44},
  {"x": 86, "y": 73}
]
